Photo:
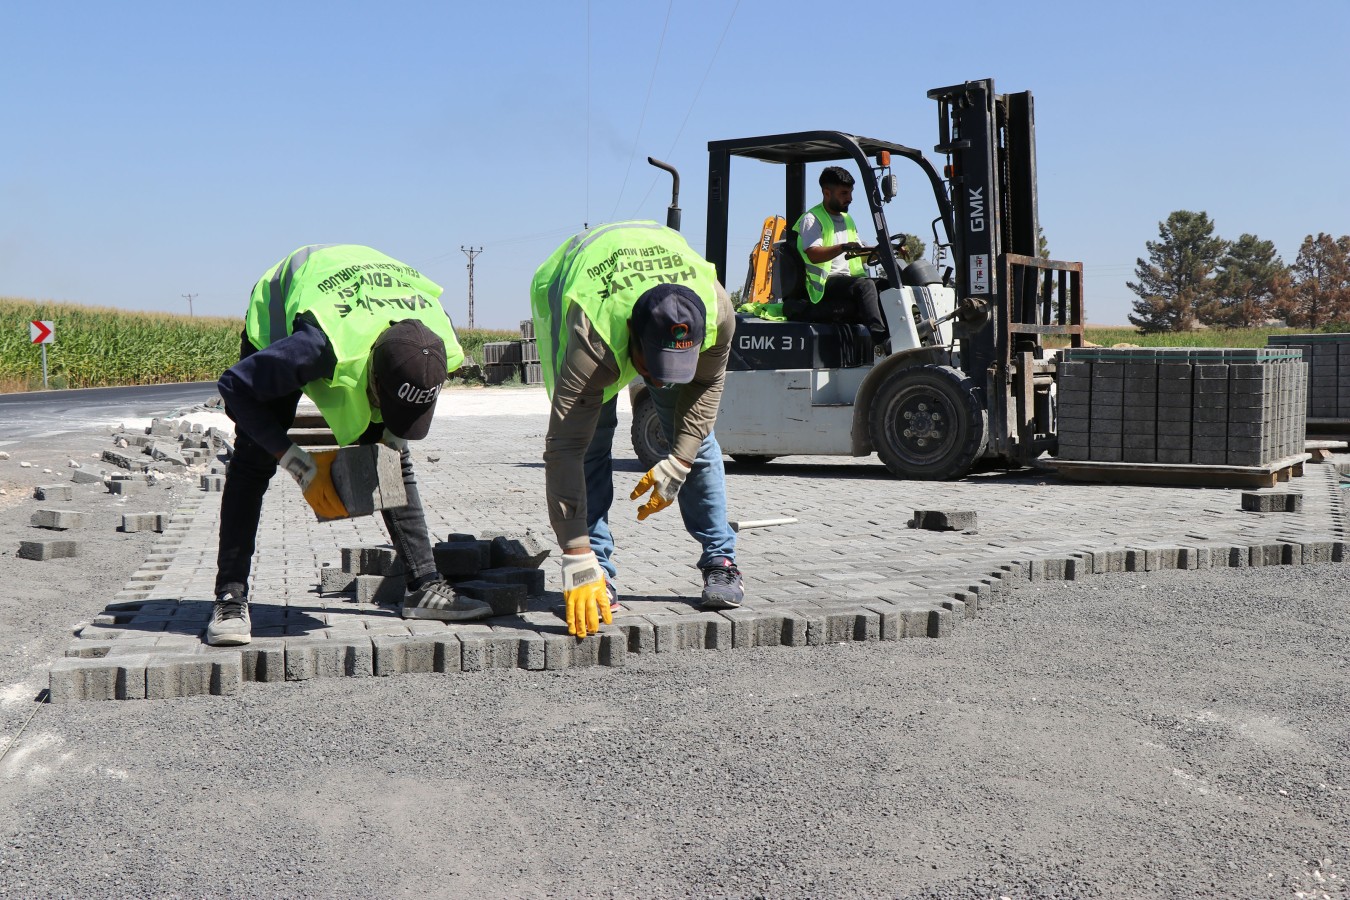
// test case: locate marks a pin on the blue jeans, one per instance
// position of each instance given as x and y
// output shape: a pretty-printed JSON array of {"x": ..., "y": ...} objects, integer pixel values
[{"x": 703, "y": 499}]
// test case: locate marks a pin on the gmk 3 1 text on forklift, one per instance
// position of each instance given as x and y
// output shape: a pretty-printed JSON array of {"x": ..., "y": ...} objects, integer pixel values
[{"x": 967, "y": 378}]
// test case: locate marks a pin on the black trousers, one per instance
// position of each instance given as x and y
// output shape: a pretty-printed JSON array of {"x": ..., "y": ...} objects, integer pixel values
[
  {"x": 847, "y": 299},
  {"x": 251, "y": 469}
]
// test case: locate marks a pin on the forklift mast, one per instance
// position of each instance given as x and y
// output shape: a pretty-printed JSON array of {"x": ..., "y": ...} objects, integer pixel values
[{"x": 990, "y": 142}]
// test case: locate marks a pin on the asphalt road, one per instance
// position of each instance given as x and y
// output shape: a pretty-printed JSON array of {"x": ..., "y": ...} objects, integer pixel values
[{"x": 38, "y": 414}]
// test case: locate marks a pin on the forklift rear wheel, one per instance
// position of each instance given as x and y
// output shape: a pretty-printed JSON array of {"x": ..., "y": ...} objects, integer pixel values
[
  {"x": 927, "y": 423},
  {"x": 751, "y": 459},
  {"x": 649, "y": 439}
]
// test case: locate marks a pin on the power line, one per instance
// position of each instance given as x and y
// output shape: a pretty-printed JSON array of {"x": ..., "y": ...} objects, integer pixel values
[
  {"x": 690, "y": 111},
  {"x": 642, "y": 120},
  {"x": 470, "y": 252},
  {"x": 189, "y": 297}
]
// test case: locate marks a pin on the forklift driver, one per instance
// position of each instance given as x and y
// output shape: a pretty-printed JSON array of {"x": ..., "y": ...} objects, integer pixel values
[{"x": 838, "y": 290}]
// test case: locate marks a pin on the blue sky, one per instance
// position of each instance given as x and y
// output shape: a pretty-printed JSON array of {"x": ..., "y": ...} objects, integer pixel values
[{"x": 157, "y": 149}]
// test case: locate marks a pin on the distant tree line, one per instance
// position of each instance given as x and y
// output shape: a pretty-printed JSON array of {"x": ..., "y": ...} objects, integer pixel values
[{"x": 1193, "y": 278}]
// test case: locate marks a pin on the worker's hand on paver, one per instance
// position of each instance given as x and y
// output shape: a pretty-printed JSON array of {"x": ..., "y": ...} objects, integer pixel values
[
  {"x": 321, "y": 495},
  {"x": 584, "y": 593},
  {"x": 664, "y": 480},
  {"x": 300, "y": 464},
  {"x": 389, "y": 439}
]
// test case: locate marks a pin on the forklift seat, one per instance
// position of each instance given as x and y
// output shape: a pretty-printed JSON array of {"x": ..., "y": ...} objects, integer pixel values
[{"x": 789, "y": 279}]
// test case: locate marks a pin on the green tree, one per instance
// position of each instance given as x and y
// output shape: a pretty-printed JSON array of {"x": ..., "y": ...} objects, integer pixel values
[
  {"x": 913, "y": 249},
  {"x": 1175, "y": 286},
  {"x": 1251, "y": 283},
  {"x": 1321, "y": 281}
]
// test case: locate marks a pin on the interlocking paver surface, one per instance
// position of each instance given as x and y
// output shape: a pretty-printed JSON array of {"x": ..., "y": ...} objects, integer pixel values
[{"x": 850, "y": 568}]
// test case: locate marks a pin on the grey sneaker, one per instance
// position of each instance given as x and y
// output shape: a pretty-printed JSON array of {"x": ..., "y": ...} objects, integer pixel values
[
  {"x": 722, "y": 586},
  {"x": 230, "y": 625},
  {"x": 439, "y": 601}
]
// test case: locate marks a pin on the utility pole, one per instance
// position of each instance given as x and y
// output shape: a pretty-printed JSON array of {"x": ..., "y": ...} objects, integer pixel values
[
  {"x": 188, "y": 298},
  {"x": 470, "y": 252}
]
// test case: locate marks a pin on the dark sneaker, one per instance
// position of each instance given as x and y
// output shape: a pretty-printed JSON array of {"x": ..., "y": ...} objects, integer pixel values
[
  {"x": 722, "y": 588},
  {"x": 439, "y": 601},
  {"x": 230, "y": 625}
]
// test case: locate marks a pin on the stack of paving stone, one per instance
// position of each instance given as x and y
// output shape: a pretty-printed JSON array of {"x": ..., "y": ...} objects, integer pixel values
[
  {"x": 531, "y": 372},
  {"x": 165, "y": 445},
  {"x": 501, "y": 361},
  {"x": 1328, "y": 359},
  {"x": 501, "y": 569},
  {"x": 1213, "y": 407}
]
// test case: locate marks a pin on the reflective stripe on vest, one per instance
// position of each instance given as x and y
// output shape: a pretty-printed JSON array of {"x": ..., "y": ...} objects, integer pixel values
[
  {"x": 604, "y": 271},
  {"x": 354, "y": 293},
  {"x": 817, "y": 274}
]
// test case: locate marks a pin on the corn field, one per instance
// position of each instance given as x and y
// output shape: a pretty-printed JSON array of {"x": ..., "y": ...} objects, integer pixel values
[{"x": 105, "y": 347}]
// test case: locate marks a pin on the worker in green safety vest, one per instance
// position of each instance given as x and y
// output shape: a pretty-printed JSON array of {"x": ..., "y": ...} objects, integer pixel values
[
  {"x": 838, "y": 290},
  {"x": 365, "y": 337},
  {"x": 614, "y": 303}
]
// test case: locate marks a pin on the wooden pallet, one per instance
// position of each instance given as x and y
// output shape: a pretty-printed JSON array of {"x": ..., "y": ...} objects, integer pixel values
[{"x": 1266, "y": 476}]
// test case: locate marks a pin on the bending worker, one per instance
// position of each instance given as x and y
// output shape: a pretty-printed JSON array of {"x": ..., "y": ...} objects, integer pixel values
[
  {"x": 615, "y": 302},
  {"x": 363, "y": 336},
  {"x": 837, "y": 286}
]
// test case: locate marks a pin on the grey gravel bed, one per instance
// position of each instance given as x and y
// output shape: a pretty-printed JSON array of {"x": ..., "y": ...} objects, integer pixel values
[{"x": 1178, "y": 734}]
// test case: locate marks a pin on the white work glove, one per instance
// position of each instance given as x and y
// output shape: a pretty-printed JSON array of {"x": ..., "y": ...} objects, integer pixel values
[
  {"x": 392, "y": 440},
  {"x": 585, "y": 594},
  {"x": 664, "y": 480},
  {"x": 300, "y": 465}
]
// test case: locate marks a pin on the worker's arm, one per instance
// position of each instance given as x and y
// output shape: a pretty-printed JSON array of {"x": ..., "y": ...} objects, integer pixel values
[
  {"x": 811, "y": 242},
  {"x": 696, "y": 408},
  {"x": 578, "y": 393},
  {"x": 271, "y": 373}
]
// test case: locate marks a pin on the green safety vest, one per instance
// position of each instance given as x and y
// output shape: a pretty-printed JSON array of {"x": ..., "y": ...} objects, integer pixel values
[
  {"x": 354, "y": 293},
  {"x": 604, "y": 271},
  {"x": 817, "y": 274}
]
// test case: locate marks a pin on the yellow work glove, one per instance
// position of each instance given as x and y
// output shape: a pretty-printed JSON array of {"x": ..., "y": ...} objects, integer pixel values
[
  {"x": 314, "y": 473},
  {"x": 585, "y": 594},
  {"x": 664, "y": 480}
]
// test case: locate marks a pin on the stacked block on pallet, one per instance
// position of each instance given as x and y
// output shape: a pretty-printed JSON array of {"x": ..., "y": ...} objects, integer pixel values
[
  {"x": 530, "y": 370},
  {"x": 1217, "y": 407},
  {"x": 1328, "y": 359}
]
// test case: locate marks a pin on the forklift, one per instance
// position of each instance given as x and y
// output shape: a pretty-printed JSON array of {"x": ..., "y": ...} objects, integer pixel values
[{"x": 967, "y": 380}]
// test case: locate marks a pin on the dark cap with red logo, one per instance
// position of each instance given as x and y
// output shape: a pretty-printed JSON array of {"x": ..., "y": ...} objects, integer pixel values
[
  {"x": 669, "y": 321},
  {"x": 407, "y": 366}
]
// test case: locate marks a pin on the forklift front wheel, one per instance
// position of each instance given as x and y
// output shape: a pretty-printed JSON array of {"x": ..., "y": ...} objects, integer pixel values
[
  {"x": 649, "y": 439},
  {"x": 927, "y": 423}
]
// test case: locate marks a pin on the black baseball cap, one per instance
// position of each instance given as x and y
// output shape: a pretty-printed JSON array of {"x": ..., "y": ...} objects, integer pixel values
[
  {"x": 407, "y": 366},
  {"x": 669, "y": 322}
]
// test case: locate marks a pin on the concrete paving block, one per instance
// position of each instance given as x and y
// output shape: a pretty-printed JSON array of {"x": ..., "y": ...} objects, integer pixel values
[
  {"x": 640, "y": 634},
  {"x": 526, "y": 550},
  {"x": 1047, "y": 569},
  {"x": 1141, "y": 560},
  {"x": 84, "y": 476},
  {"x": 531, "y": 579},
  {"x": 56, "y": 519},
  {"x": 447, "y": 651},
  {"x": 212, "y": 483},
  {"x": 698, "y": 631},
  {"x": 1316, "y": 551},
  {"x": 563, "y": 651},
  {"x": 53, "y": 492},
  {"x": 407, "y": 654},
  {"x": 506, "y": 599},
  {"x": 473, "y": 652},
  {"x": 368, "y": 478},
  {"x": 263, "y": 662},
  {"x": 754, "y": 627},
  {"x": 377, "y": 589},
  {"x": 1190, "y": 558},
  {"x": 516, "y": 648},
  {"x": 49, "y": 549},
  {"x": 134, "y": 522},
  {"x": 126, "y": 488},
  {"x": 328, "y": 658},
  {"x": 1270, "y": 501},
  {"x": 135, "y": 463},
  {"x": 372, "y": 559},
  {"x": 457, "y": 561},
  {"x": 333, "y": 580},
  {"x": 166, "y": 453},
  {"x": 74, "y": 678},
  {"x": 944, "y": 520},
  {"x": 181, "y": 675},
  {"x": 1265, "y": 554}
]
